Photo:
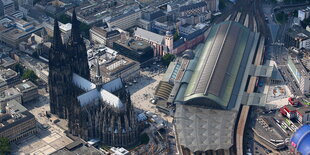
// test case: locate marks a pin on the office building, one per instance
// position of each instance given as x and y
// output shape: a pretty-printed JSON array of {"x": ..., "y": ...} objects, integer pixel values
[
  {"x": 13, "y": 35},
  {"x": 28, "y": 90},
  {"x": 100, "y": 35},
  {"x": 8, "y": 95},
  {"x": 7, "y": 7},
  {"x": 7, "y": 62},
  {"x": 300, "y": 74},
  {"x": 113, "y": 65},
  {"x": 304, "y": 14},
  {"x": 8, "y": 78},
  {"x": 16, "y": 122},
  {"x": 126, "y": 20},
  {"x": 212, "y": 5},
  {"x": 193, "y": 9},
  {"x": 297, "y": 37},
  {"x": 137, "y": 50}
]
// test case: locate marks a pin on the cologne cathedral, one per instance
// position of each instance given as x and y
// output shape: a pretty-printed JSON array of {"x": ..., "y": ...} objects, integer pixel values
[{"x": 94, "y": 110}]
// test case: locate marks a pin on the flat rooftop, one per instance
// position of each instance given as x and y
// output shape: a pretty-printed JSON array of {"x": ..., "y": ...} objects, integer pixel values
[
  {"x": 15, "y": 33},
  {"x": 8, "y": 74},
  {"x": 119, "y": 64},
  {"x": 8, "y": 93},
  {"x": 8, "y": 121},
  {"x": 26, "y": 86}
]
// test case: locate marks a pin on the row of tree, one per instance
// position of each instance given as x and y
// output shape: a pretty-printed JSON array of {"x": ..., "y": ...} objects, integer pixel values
[
  {"x": 5, "y": 146},
  {"x": 26, "y": 73}
]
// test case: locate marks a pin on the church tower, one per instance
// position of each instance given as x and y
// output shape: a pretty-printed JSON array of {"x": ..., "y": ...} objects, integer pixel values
[
  {"x": 169, "y": 40},
  {"x": 59, "y": 75},
  {"x": 77, "y": 49}
]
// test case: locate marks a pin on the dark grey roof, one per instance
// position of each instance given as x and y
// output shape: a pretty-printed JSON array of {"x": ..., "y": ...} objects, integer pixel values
[
  {"x": 194, "y": 34},
  {"x": 27, "y": 116},
  {"x": 178, "y": 43},
  {"x": 150, "y": 16},
  {"x": 112, "y": 33}
]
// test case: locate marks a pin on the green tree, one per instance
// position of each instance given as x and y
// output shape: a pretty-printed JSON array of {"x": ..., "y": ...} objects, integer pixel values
[
  {"x": 29, "y": 74},
  {"x": 144, "y": 138},
  {"x": 295, "y": 13},
  {"x": 222, "y": 4},
  {"x": 63, "y": 18},
  {"x": 35, "y": 54},
  {"x": 176, "y": 36},
  {"x": 84, "y": 28},
  {"x": 5, "y": 147},
  {"x": 281, "y": 17},
  {"x": 166, "y": 59}
]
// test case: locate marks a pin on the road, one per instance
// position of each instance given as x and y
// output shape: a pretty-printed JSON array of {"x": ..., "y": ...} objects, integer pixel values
[{"x": 280, "y": 55}]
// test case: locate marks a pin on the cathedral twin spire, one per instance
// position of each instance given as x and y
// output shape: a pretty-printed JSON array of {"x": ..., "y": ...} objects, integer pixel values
[
  {"x": 64, "y": 60},
  {"x": 74, "y": 52},
  {"x": 75, "y": 33}
]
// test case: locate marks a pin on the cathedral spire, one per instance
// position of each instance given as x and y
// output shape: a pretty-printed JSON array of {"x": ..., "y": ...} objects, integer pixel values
[
  {"x": 57, "y": 42},
  {"x": 75, "y": 32},
  {"x": 98, "y": 78}
]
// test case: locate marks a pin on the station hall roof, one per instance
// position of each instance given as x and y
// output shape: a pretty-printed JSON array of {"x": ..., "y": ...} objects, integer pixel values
[
  {"x": 217, "y": 78},
  {"x": 201, "y": 129}
]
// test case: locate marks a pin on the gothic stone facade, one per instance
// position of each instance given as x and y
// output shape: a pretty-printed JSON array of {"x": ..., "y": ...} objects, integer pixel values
[{"x": 100, "y": 110}]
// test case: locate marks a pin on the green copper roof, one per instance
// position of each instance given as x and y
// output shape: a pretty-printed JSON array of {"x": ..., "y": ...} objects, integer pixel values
[{"x": 221, "y": 63}]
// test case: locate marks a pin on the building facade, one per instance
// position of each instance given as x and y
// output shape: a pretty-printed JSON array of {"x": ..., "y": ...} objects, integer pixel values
[
  {"x": 304, "y": 14},
  {"x": 297, "y": 37},
  {"x": 14, "y": 35},
  {"x": 7, "y": 7},
  {"x": 28, "y": 90},
  {"x": 213, "y": 5},
  {"x": 125, "y": 20},
  {"x": 16, "y": 122},
  {"x": 156, "y": 40},
  {"x": 137, "y": 50},
  {"x": 104, "y": 36},
  {"x": 299, "y": 73},
  {"x": 60, "y": 73},
  {"x": 9, "y": 77},
  {"x": 193, "y": 9}
]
